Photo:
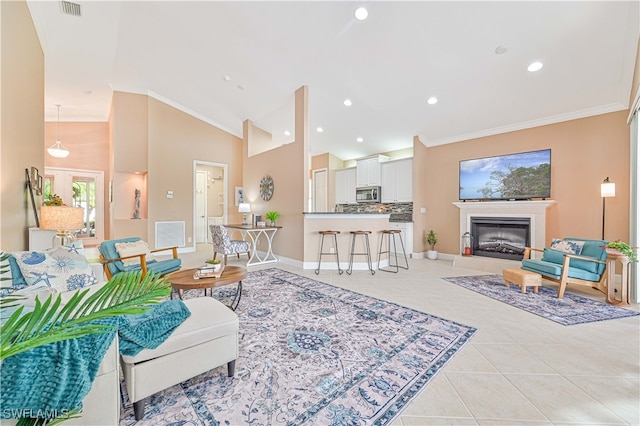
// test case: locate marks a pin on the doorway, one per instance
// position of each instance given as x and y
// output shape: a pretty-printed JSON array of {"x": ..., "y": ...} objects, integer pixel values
[
  {"x": 210, "y": 198},
  {"x": 80, "y": 188}
]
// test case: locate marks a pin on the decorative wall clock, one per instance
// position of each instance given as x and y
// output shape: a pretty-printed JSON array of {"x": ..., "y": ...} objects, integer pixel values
[{"x": 266, "y": 187}]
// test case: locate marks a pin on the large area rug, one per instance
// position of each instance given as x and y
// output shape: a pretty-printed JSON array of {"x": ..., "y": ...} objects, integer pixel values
[
  {"x": 570, "y": 310},
  {"x": 312, "y": 353}
]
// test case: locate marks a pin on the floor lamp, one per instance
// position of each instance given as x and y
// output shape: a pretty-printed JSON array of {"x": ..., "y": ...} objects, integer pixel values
[{"x": 607, "y": 189}]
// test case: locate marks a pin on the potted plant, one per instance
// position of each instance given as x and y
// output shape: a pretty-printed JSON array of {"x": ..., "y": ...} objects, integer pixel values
[
  {"x": 622, "y": 248},
  {"x": 272, "y": 216},
  {"x": 431, "y": 238}
]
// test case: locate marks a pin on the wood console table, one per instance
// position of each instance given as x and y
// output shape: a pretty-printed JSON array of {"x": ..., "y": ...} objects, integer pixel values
[{"x": 254, "y": 233}]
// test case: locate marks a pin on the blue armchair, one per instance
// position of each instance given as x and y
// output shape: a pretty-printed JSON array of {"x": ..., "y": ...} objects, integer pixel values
[
  {"x": 588, "y": 267},
  {"x": 114, "y": 263}
]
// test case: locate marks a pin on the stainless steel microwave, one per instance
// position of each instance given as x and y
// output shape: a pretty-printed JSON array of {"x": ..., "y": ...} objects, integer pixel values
[{"x": 369, "y": 194}]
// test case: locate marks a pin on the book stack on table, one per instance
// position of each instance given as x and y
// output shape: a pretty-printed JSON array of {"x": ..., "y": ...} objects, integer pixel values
[{"x": 208, "y": 271}]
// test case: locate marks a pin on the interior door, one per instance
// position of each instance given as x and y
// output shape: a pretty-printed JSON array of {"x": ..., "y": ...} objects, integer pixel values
[
  {"x": 320, "y": 190},
  {"x": 201, "y": 207}
]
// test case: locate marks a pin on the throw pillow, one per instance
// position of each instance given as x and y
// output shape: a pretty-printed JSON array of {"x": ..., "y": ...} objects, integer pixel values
[
  {"x": 133, "y": 248},
  {"x": 61, "y": 268},
  {"x": 6, "y": 282},
  {"x": 571, "y": 247},
  {"x": 11, "y": 278}
]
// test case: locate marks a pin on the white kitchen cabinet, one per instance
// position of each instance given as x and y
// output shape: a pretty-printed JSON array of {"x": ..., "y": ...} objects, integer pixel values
[
  {"x": 406, "y": 231},
  {"x": 397, "y": 181},
  {"x": 345, "y": 186},
  {"x": 368, "y": 171}
]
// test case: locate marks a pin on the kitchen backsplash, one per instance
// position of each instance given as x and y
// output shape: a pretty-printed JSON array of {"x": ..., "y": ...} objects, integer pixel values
[{"x": 400, "y": 212}]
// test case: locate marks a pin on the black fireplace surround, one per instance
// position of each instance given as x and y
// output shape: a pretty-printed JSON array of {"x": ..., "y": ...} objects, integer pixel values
[{"x": 500, "y": 237}]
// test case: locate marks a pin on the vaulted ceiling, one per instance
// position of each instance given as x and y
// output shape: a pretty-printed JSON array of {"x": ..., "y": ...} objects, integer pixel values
[{"x": 225, "y": 62}]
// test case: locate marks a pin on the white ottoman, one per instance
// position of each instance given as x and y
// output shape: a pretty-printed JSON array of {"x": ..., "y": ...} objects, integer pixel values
[{"x": 205, "y": 340}]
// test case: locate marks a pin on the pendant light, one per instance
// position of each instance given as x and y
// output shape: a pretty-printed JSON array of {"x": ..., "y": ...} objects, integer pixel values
[{"x": 57, "y": 149}]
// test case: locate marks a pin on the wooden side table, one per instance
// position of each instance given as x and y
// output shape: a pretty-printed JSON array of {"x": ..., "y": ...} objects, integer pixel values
[
  {"x": 522, "y": 278},
  {"x": 611, "y": 279}
]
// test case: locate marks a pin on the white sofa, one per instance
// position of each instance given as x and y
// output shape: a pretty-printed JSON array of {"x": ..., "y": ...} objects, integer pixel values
[
  {"x": 101, "y": 406},
  {"x": 207, "y": 339}
]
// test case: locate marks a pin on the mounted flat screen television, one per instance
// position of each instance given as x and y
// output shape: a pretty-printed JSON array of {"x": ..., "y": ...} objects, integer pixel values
[{"x": 519, "y": 176}]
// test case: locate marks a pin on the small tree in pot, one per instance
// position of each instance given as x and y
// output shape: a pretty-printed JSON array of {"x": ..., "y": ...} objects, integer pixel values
[{"x": 431, "y": 238}]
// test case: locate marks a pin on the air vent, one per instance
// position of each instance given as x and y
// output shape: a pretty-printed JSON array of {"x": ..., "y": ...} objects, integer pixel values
[{"x": 69, "y": 8}]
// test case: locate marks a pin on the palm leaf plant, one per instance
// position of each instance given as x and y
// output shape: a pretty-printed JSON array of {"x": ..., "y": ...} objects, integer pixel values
[{"x": 125, "y": 294}]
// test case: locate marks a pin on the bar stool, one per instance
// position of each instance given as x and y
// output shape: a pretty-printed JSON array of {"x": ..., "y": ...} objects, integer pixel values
[
  {"x": 335, "y": 244},
  {"x": 365, "y": 234},
  {"x": 391, "y": 233}
]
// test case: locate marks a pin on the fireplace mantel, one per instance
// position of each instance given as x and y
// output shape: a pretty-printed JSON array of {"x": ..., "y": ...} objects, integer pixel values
[{"x": 535, "y": 210}]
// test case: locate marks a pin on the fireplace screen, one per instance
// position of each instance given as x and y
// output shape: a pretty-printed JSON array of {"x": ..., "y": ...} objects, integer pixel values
[{"x": 501, "y": 237}]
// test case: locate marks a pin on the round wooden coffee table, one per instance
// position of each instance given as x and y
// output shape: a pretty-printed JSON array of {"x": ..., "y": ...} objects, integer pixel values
[{"x": 183, "y": 280}]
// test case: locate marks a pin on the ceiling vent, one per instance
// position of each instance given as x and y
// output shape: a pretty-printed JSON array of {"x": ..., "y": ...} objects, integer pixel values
[{"x": 69, "y": 8}]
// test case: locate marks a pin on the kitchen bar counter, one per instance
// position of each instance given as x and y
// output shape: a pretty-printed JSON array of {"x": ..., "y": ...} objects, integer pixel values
[{"x": 343, "y": 222}]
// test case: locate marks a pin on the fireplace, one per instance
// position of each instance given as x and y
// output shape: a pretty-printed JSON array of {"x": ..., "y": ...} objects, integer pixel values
[{"x": 500, "y": 237}]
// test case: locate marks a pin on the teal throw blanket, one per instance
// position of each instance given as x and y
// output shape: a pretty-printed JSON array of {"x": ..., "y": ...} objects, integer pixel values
[
  {"x": 149, "y": 330},
  {"x": 51, "y": 380}
]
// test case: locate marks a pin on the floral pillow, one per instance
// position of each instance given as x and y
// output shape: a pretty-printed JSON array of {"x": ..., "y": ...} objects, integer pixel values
[
  {"x": 571, "y": 247},
  {"x": 62, "y": 268}
]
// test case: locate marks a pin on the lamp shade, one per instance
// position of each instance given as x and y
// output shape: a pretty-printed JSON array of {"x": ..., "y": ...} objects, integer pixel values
[
  {"x": 244, "y": 208},
  {"x": 61, "y": 218},
  {"x": 607, "y": 189}
]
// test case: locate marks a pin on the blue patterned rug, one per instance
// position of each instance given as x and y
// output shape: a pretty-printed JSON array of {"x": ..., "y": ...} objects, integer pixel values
[
  {"x": 315, "y": 354},
  {"x": 570, "y": 310}
]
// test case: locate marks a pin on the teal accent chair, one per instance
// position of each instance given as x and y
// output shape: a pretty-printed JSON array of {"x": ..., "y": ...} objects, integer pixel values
[
  {"x": 588, "y": 268},
  {"x": 113, "y": 265}
]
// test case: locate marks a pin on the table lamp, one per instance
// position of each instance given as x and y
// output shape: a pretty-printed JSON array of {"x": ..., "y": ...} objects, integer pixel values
[
  {"x": 244, "y": 208},
  {"x": 61, "y": 219}
]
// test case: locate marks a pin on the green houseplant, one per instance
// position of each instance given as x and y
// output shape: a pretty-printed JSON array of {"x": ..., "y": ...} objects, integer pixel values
[
  {"x": 431, "y": 238},
  {"x": 272, "y": 216},
  {"x": 624, "y": 249}
]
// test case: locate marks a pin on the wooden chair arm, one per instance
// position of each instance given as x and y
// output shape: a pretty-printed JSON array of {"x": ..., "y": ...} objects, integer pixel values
[
  {"x": 173, "y": 249},
  {"x": 107, "y": 271},
  {"x": 528, "y": 250}
]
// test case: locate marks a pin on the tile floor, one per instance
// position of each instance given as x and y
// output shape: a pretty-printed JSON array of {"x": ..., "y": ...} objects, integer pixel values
[{"x": 518, "y": 369}]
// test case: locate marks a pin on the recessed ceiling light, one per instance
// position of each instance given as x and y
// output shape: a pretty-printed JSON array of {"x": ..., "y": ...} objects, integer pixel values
[
  {"x": 359, "y": 139},
  {"x": 361, "y": 14},
  {"x": 227, "y": 78},
  {"x": 240, "y": 87},
  {"x": 432, "y": 100},
  {"x": 319, "y": 129},
  {"x": 347, "y": 102},
  {"x": 501, "y": 49},
  {"x": 287, "y": 133},
  {"x": 535, "y": 66}
]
